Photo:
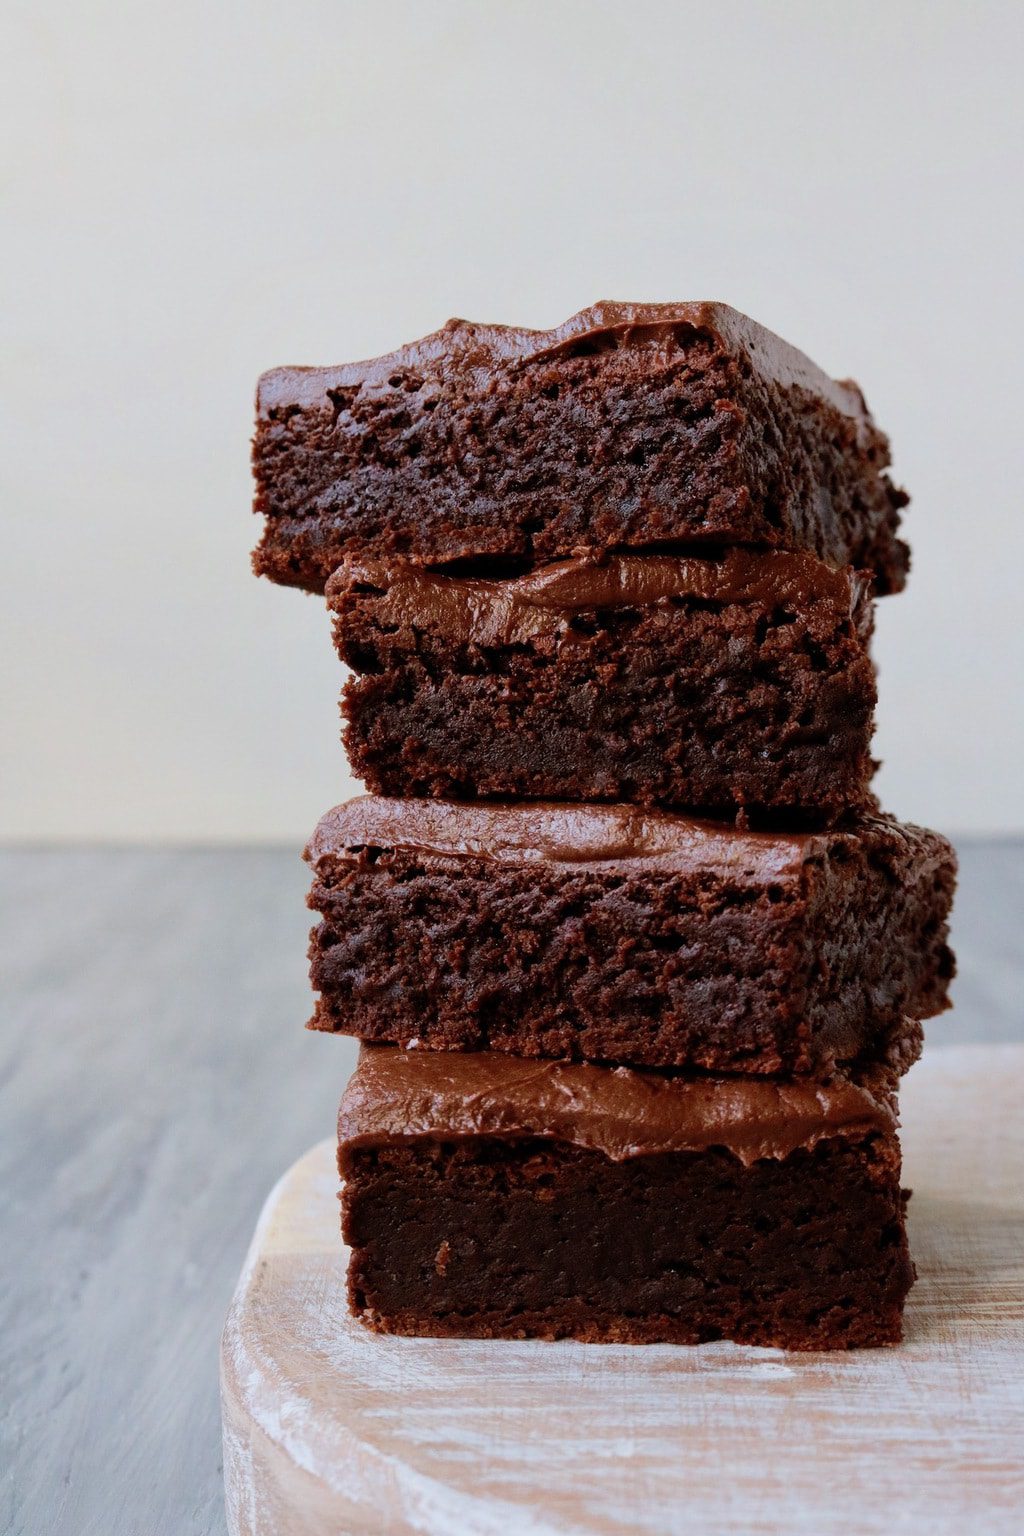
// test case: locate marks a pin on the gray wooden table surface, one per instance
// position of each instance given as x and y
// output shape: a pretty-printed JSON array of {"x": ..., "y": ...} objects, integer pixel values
[{"x": 155, "y": 1081}]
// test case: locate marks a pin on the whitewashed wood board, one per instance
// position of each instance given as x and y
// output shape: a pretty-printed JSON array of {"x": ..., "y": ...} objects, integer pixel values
[{"x": 331, "y": 1430}]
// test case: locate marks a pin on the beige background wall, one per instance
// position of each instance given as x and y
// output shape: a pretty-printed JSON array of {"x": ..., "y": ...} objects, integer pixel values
[{"x": 193, "y": 192}]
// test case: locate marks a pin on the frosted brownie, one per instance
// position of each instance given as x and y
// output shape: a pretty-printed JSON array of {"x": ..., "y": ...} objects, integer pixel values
[
  {"x": 609, "y": 934},
  {"x": 630, "y": 425},
  {"x": 739, "y": 680},
  {"x": 486, "y": 1196}
]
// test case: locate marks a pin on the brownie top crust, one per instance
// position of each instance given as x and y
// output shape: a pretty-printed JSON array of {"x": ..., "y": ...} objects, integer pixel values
[
  {"x": 466, "y": 346},
  {"x": 517, "y": 609},
  {"x": 569, "y": 833},
  {"x": 397, "y": 1094}
]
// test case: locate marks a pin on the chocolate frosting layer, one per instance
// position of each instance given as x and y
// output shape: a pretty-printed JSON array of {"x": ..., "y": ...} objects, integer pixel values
[
  {"x": 397, "y": 1095},
  {"x": 463, "y": 345},
  {"x": 518, "y": 609},
  {"x": 561, "y": 833}
]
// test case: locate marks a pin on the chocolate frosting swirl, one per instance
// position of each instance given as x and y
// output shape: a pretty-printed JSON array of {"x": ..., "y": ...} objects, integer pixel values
[
  {"x": 518, "y": 609},
  {"x": 557, "y": 832},
  {"x": 396, "y": 1095}
]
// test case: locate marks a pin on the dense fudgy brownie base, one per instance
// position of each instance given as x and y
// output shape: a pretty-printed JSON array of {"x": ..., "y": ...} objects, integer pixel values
[
  {"x": 629, "y": 426},
  {"x": 629, "y": 961},
  {"x": 535, "y": 1239},
  {"x": 709, "y": 705}
]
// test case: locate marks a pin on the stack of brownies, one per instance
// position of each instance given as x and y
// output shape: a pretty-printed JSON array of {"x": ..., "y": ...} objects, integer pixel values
[{"x": 636, "y": 960}]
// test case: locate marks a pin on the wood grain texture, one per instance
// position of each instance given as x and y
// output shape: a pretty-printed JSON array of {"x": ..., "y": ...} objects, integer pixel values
[{"x": 332, "y": 1431}]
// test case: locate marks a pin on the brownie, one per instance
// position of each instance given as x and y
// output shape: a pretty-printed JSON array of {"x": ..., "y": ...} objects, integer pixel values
[
  {"x": 742, "y": 680},
  {"x": 611, "y": 934},
  {"x": 630, "y": 425},
  {"x": 487, "y": 1196}
]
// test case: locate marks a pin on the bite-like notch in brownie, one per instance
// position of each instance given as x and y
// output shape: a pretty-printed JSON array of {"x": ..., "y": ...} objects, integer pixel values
[
  {"x": 605, "y": 933},
  {"x": 486, "y": 1196},
  {"x": 630, "y": 425},
  {"x": 712, "y": 682}
]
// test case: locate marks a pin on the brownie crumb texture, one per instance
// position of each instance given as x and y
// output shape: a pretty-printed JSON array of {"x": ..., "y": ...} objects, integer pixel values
[
  {"x": 540, "y": 1240},
  {"x": 630, "y": 426},
  {"x": 629, "y": 962}
]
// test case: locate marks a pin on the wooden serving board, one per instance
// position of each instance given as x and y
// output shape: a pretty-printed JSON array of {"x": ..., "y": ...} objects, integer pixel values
[{"x": 329, "y": 1429}]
